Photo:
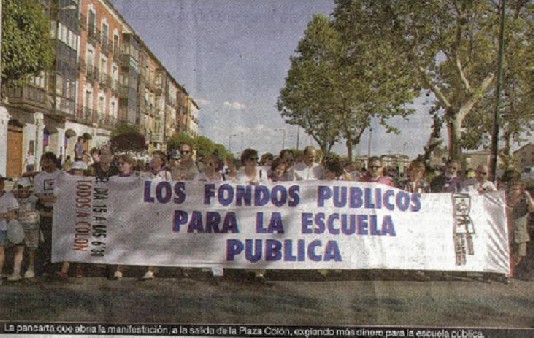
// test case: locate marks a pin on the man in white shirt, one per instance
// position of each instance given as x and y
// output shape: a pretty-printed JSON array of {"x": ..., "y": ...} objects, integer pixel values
[
  {"x": 44, "y": 185},
  {"x": 308, "y": 169},
  {"x": 481, "y": 184}
]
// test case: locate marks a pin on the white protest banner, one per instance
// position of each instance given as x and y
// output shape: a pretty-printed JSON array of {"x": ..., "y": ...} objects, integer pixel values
[{"x": 291, "y": 225}]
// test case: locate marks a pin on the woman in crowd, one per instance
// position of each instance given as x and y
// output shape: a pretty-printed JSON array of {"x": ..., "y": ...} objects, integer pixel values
[
  {"x": 210, "y": 173},
  {"x": 415, "y": 181},
  {"x": 250, "y": 172},
  {"x": 278, "y": 170}
]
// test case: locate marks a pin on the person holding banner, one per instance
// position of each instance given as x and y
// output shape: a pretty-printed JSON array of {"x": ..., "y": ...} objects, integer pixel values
[
  {"x": 44, "y": 184},
  {"x": 279, "y": 168},
  {"x": 375, "y": 172},
  {"x": 105, "y": 167},
  {"x": 415, "y": 181},
  {"x": 126, "y": 165},
  {"x": 251, "y": 173},
  {"x": 157, "y": 171},
  {"x": 187, "y": 168},
  {"x": 448, "y": 181},
  {"x": 308, "y": 169},
  {"x": 212, "y": 175},
  {"x": 481, "y": 183}
]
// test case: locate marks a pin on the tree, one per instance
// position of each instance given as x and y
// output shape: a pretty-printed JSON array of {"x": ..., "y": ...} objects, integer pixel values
[
  {"x": 304, "y": 100},
  {"x": 446, "y": 47},
  {"x": 518, "y": 90},
  {"x": 26, "y": 46},
  {"x": 366, "y": 87},
  {"x": 177, "y": 139},
  {"x": 125, "y": 137},
  {"x": 335, "y": 85}
]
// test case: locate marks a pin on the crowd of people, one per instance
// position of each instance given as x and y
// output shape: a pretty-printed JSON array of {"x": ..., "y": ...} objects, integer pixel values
[{"x": 26, "y": 215}]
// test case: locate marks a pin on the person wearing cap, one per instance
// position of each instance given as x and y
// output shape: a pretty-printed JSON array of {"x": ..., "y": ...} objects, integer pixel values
[
  {"x": 44, "y": 189},
  {"x": 28, "y": 216},
  {"x": 8, "y": 206},
  {"x": 187, "y": 168},
  {"x": 174, "y": 160}
]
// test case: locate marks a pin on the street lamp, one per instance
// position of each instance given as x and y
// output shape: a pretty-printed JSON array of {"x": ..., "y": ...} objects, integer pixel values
[
  {"x": 283, "y": 138},
  {"x": 230, "y": 142}
]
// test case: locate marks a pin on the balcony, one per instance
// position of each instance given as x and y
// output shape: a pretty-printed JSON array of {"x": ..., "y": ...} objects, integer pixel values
[
  {"x": 116, "y": 52},
  {"x": 86, "y": 115},
  {"x": 90, "y": 73},
  {"x": 104, "y": 80},
  {"x": 28, "y": 97},
  {"x": 93, "y": 35},
  {"x": 105, "y": 47},
  {"x": 124, "y": 92}
]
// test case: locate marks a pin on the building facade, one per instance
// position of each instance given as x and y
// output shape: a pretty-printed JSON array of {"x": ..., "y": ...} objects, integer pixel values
[{"x": 103, "y": 75}]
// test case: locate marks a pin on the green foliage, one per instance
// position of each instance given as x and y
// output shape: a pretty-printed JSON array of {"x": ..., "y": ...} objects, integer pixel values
[
  {"x": 174, "y": 142},
  {"x": 338, "y": 82},
  {"x": 26, "y": 46},
  {"x": 124, "y": 128},
  {"x": 202, "y": 144}
]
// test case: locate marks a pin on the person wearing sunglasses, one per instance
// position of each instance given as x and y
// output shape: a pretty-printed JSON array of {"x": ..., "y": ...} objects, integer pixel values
[
  {"x": 250, "y": 172},
  {"x": 375, "y": 172},
  {"x": 481, "y": 184},
  {"x": 186, "y": 168}
]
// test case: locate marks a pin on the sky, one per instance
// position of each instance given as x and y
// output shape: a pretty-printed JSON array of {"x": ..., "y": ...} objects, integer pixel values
[{"x": 232, "y": 56}]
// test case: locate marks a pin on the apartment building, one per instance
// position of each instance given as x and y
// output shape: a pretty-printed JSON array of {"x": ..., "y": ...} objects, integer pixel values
[{"x": 103, "y": 75}]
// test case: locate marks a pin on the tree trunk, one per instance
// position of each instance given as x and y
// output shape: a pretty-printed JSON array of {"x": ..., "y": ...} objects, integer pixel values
[
  {"x": 455, "y": 137},
  {"x": 349, "y": 150}
]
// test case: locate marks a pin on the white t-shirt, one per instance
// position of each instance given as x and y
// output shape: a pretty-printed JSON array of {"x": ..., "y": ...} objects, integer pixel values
[
  {"x": 8, "y": 202},
  {"x": 484, "y": 187},
  {"x": 260, "y": 177},
  {"x": 45, "y": 183},
  {"x": 302, "y": 172}
]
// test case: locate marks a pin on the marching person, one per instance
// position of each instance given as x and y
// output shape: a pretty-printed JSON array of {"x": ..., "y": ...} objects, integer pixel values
[
  {"x": 28, "y": 216},
  {"x": 44, "y": 188},
  {"x": 251, "y": 173},
  {"x": 157, "y": 171},
  {"x": 8, "y": 207},
  {"x": 187, "y": 168},
  {"x": 448, "y": 181},
  {"x": 308, "y": 169},
  {"x": 481, "y": 184},
  {"x": 375, "y": 172}
]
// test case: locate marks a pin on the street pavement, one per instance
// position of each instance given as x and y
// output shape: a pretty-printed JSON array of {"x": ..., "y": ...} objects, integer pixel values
[{"x": 289, "y": 298}]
